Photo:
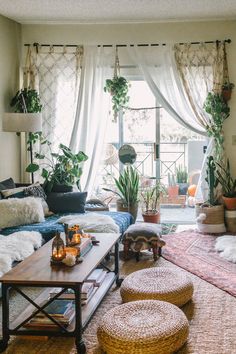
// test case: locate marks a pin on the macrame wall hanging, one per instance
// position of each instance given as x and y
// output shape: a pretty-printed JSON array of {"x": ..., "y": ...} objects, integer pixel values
[{"x": 118, "y": 87}]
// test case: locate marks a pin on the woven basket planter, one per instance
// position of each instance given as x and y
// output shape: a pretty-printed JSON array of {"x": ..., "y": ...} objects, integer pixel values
[
  {"x": 158, "y": 283},
  {"x": 210, "y": 219},
  {"x": 143, "y": 327},
  {"x": 230, "y": 220}
]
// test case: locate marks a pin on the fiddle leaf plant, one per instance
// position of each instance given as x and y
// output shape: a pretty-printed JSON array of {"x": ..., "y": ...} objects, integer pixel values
[
  {"x": 118, "y": 88},
  {"x": 63, "y": 167}
]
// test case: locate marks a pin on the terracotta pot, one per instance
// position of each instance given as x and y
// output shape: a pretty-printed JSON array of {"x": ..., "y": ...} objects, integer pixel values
[
  {"x": 132, "y": 209},
  {"x": 226, "y": 94},
  {"x": 230, "y": 203},
  {"x": 153, "y": 218},
  {"x": 173, "y": 191}
]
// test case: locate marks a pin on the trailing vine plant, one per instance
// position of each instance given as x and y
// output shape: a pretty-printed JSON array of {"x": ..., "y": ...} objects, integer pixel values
[
  {"x": 217, "y": 107},
  {"x": 118, "y": 88}
]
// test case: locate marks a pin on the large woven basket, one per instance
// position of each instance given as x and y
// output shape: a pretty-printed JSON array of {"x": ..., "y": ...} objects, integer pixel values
[
  {"x": 214, "y": 214},
  {"x": 143, "y": 327},
  {"x": 157, "y": 284}
]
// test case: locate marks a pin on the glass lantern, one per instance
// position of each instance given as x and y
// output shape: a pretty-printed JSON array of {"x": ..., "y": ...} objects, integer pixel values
[{"x": 58, "y": 249}]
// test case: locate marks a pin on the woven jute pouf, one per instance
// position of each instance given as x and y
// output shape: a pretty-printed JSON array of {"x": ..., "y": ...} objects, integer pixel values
[
  {"x": 157, "y": 284},
  {"x": 143, "y": 327}
]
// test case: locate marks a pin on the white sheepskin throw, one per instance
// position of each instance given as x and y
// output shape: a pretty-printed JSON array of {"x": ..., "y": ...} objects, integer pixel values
[
  {"x": 91, "y": 222},
  {"x": 16, "y": 211},
  {"x": 226, "y": 245},
  {"x": 17, "y": 247}
]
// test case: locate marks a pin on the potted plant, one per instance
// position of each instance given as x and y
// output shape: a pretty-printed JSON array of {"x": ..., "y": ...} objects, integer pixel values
[
  {"x": 226, "y": 92},
  {"x": 182, "y": 179},
  {"x": 150, "y": 197},
  {"x": 127, "y": 190},
  {"x": 173, "y": 188},
  {"x": 228, "y": 184},
  {"x": 61, "y": 170},
  {"x": 26, "y": 101},
  {"x": 210, "y": 215},
  {"x": 118, "y": 87}
]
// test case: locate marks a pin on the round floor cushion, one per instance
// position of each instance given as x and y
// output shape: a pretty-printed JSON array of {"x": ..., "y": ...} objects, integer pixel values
[
  {"x": 156, "y": 283},
  {"x": 145, "y": 327}
]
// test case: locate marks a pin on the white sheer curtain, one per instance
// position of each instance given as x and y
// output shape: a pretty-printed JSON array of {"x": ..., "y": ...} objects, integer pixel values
[
  {"x": 92, "y": 110},
  {"x": 156, "y": 65},
  {"x": 202, "y": 71}
]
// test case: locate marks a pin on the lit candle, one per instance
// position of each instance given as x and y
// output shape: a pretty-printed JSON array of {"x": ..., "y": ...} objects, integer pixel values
[
  {"x": 76, "y": 238},
  {"x": 72, "y": 251}
]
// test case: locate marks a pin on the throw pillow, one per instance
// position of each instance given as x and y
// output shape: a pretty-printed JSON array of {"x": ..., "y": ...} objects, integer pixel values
[
  {"x": 73, "y": 202},
  {"x": 15, "y": 211},
  {"x": 7, "y": 184},
  {"x": 13, "y": 192},
  {"x": 35, "y": 190}
]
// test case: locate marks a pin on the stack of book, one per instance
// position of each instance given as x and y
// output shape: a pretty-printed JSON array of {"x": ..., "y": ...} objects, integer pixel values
[
  {"x": 85, "y": 246},
  {"x": 88, "y": 290},
  {"x": 62, "y": 311},
  {"x": 96, "y": 277}
]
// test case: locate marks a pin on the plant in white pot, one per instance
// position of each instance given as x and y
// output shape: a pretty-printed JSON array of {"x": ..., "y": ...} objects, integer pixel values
[
  {"x": 210, "y": 214},
  {"x": 150, "y": 198}
]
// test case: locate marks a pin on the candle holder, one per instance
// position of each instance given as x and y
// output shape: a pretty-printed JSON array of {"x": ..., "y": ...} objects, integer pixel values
[
  {"x": 58, "y": 249},
  {"x": 73, "y": 235}
]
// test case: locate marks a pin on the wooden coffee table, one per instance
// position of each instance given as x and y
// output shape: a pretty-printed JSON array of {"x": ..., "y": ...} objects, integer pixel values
[{"x": 36, "y": 271}]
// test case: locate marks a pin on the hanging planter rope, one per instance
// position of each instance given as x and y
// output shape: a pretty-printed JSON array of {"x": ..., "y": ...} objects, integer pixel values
[{"x": 118, "y": 88}]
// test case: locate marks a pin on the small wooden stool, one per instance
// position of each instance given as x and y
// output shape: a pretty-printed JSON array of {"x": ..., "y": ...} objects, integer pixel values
[{"x": 141, "y": 236}]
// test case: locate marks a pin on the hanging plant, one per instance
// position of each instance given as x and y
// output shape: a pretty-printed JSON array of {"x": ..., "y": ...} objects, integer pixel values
[
  {"x": 226, "y": 92},
  {"x": 118, "y": 88},
  {"x": 219, "y": 110}
]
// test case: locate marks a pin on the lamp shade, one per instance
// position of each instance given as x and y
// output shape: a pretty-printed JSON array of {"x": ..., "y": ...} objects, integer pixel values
[{"x": 22, "y": 122}]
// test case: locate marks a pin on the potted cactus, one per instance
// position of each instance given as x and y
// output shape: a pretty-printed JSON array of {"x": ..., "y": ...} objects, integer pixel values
[
  {"x": 182, "y": 179},
  {"x": 173, "y": 188},
  {"x": 210, "y": 214}
]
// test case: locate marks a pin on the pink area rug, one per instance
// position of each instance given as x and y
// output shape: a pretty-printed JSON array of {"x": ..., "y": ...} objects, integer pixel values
[{"x": 195, "y": 252}]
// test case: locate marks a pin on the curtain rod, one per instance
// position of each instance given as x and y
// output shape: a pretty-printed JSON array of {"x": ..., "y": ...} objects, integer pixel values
[{"x": 122, "y": 45}]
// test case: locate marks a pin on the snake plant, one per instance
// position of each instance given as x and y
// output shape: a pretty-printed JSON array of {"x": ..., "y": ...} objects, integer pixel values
[
  {"x": 127, "y": 186},
  {"x": 224, "y": 177}
]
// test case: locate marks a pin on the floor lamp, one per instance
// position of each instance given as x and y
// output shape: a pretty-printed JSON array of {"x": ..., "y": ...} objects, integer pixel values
[{"x": 23, "y": 122}]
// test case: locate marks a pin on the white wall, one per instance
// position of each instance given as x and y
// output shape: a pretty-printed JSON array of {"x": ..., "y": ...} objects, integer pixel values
[
  {"x": 9, "y": 67},
  {"x": 146, "y": 33}
]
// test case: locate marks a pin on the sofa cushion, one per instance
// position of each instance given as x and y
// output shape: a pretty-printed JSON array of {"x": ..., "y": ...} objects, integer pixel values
[
  {"x": 13, "y": 192},
  {"x": 6, "y": 184},
  {"x": 15, "y": 211},
  {"x": 73, "y": 202}
]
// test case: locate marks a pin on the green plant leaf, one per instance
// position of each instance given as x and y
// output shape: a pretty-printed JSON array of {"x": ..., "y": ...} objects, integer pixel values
[{"x": 32, "y": 167}]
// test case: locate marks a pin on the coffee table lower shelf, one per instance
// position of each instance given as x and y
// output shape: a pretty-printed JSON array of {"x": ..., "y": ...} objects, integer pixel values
[{"x": 86, "y": 313}]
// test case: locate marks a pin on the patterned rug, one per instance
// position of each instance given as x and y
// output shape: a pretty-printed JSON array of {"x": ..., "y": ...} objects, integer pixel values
[
  {"x": 168, "y": 228},
  {"x": 211, "y": 315},
  {"x": 195, "y": 252}
]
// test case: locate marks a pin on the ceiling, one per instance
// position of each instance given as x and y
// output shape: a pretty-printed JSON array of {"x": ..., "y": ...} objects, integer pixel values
[{"x": 116, "y": 11}]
